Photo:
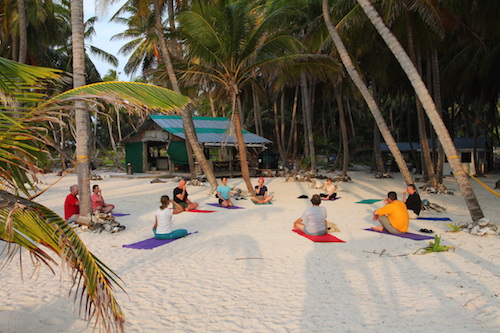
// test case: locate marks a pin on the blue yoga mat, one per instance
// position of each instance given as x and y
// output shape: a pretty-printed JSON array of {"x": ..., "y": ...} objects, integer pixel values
[
  {"x": 151, "y": 243},
  {"x": 434, "y": 218},
  {"x": 408, "y": 235},
  {"x": 120, "y": 214}
]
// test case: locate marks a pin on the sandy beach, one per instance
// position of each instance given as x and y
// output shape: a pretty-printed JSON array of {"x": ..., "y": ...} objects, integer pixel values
[{"x": 246, "y": 271}]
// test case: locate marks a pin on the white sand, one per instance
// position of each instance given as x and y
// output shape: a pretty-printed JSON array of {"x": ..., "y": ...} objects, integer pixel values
[{"x": 245, "y": 271}]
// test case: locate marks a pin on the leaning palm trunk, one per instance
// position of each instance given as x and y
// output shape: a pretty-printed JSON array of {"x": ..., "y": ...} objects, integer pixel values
[
  {"x": 343, "y": 129},
  {"x": 81, "y": 114},
  {"x": 187, "y": 120},
  {"x": 429, "y": 107},
  {"x": 23, "y": 35},
  {"x": 245, "y": 171},
  {"x": 368, "y": 97}
]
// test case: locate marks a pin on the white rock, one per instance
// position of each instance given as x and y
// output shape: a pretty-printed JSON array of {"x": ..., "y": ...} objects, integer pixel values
[
  {"x": 484, "y": 221},
  {"x": 475, "y": 230},
  {"x": 491, "y": 232}
]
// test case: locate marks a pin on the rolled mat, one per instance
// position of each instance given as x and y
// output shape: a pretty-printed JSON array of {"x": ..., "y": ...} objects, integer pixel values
[
  {"x": 433, "y": 218},
  {"x": 325, "y": 199},
  {"x": 408, "y": 235},
  {"x": 218, "y": 205},
  {"x": 368, "y": 201},
  {"x": 320, "y": 239},
  {"x": 151, "y": 243},
  {"x": 201, "y": 211},
  {"x": 119, "y": 214}
]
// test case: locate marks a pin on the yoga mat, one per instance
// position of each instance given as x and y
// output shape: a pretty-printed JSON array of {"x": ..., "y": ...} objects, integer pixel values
[
  {"x": 408, "y": 235},
  {"x": 217, "y": 205},
  {"x": 433, "y": 218},
  {"x": 320, "y": 239},
  {"x": 151, "y": 243},
  {"x": 324, "y": 199},
  {"x": 201, "y": 211},
  {"x": 119, "y": 214},
  {"x": 368, "y": 201},
  {"x": 267, "y": 203}
]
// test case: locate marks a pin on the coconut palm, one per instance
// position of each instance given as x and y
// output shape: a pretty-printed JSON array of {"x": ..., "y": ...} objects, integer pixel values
[
  {"x": 368, "y": 97},
  {"x": 230, "y": 42},
  {"x": 26, "y": 224},
  {"x": 429, "y": 107}
]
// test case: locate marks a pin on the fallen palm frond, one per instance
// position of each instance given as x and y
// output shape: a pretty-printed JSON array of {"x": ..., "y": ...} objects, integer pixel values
[
  {"x": 36, "y": 229},
  {"x": 434, "y": 246}
]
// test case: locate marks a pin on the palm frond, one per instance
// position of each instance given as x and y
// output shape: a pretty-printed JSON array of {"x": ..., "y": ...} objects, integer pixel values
[
  {"x": 36, "y": 229},
  {"x": 128, "y": 94}
]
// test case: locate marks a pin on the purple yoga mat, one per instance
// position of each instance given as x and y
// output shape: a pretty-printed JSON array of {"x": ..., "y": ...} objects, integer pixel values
[
  {"x": 325, "y": 199},
  {"x": 151, "y": 243},
  {"x": 120, "y": 214},
  {"x": 218, "y": 205},
  {"x": 405, "y": 235}
]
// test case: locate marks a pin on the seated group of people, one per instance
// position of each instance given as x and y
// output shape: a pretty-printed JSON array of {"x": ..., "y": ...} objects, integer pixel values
[{"x": 393, "y": 217}]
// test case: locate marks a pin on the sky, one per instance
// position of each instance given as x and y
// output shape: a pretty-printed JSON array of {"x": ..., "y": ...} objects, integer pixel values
[{"x": 102, "y": 39}]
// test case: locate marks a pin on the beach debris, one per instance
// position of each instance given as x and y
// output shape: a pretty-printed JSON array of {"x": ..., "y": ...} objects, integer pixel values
[
  {"x": 341, "y": 178},
  {"x": 239, "y": 194},
  {"x": 158, "y": 180},
  {"x": 331, "y": 227},
  {"x": 201, "y": 177},
  {"x": 316, "y": 185},
  {"x": 195, "y": 182},
  {"x": 482, "y": 227},
  {"x": 435, "y": 246},
  {"x": 107, "y": 222},
  {"x": 95, "y": 177},
  {"x": 497, "y": 184},
  {"x": 439, "y": 189},
  {"x": 300, "y": 176},
  {"x": 432, "y": 206},
  {"x": 379, "y": 175}
]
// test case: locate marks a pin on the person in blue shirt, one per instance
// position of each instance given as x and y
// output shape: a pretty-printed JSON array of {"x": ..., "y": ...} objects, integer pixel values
[
  {"x": 261, "y": 196},
  {"x": 224, "y": 193}
]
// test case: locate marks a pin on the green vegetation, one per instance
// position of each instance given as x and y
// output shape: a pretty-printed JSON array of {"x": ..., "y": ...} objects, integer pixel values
[{"x": 434, "y": 246}]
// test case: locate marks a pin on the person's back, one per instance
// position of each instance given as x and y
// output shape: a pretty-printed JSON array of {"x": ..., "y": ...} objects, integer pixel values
[
  {"x": 314, "y": 219},
  {"x": 397, "y": 213},
  {"x": 414, "y": 203},
  {"x": 164, "y": 217}
]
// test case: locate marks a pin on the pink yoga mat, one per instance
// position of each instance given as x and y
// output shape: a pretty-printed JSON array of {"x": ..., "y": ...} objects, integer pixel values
[{"x": 320, "y": 239}]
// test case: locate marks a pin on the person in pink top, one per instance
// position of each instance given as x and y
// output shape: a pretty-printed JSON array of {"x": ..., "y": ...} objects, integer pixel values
[{"x": 98, "y": 201}]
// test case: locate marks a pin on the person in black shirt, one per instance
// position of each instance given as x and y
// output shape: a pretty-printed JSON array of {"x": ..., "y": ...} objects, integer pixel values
[
  {"x": 181, "y": 197},
  {"x": 261, "y": 196},
  {"x": 413, "y": 202}
]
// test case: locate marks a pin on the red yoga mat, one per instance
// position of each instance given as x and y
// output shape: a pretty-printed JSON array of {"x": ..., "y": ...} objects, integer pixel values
[
  {"x": 201, "y": 211},
  {"x": 320, "y": 239}
]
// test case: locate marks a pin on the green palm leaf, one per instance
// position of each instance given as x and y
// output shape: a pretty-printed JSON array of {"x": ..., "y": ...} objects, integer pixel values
[
  {"x": 35, "y": 228},
  {"x": 129, "y": 94}
]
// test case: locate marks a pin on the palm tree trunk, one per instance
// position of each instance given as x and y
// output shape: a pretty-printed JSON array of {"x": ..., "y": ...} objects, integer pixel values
[
  {"x": 437, "y": 98},
  {"x": 430, "y": 108},
  {"x": 379, "y": 161},
  {"x": 343, "y": 129},
  {"x": 277, "y": 131},
  {"x": 306, "y": 102},
  {"x": 293, "y": 128},
  {"x": 81, "y": 115},
  {"x": 368, "y": 97},
  {"x": 23, "y": 35},
  {"x": 187, "y": 119},
  {"x": 245, "y": 171}
]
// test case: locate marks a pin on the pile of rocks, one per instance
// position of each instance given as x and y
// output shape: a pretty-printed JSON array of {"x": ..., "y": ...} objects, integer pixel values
[
  {"x": 300, "y": 176},
  {"x": 379, "y": 175},
  {"x": 101, "y": 222},
  {"x": 440, "y": 189},
  {"x": 481, "y": 228}
]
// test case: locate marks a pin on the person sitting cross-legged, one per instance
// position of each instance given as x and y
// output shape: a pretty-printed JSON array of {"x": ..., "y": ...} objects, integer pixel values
[
  {"x": 181, "y": 197},
  {"x": 261, "y": 196},
  {"x": 393, "y": 217},
  {"x": 162, "y": 228},
  {"x": 313, "y": 220},
  {"x": 224, "y": 193}
]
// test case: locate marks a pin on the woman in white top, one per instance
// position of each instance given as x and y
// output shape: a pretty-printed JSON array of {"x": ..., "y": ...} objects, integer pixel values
[
  {"x": 163, "y": 220},
  {"x": 330, "y": 190}
]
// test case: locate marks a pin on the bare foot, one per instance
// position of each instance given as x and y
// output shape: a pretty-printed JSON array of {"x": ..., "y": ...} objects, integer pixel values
[{"x": 379, "y": 228}]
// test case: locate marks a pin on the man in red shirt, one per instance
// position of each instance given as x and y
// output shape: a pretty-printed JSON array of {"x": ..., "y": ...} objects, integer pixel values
[{"x": 71, "y": 205}]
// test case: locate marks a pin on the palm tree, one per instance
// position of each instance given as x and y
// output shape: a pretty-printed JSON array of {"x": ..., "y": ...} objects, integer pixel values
[
  {"x": 368, "y": 97},
  {"x": 33, "y": 226},
  {"x": 228, "y": 43},
  {"x": 429, "y": 106}
]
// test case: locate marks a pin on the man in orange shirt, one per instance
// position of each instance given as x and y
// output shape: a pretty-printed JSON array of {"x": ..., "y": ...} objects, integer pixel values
[{"x": 393, "y": 216}]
